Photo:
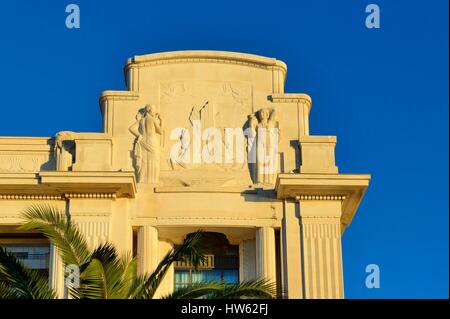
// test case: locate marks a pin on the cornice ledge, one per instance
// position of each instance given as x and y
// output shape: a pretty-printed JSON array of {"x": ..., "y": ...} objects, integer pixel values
[
  {"x": 290, "y": 98},
  {"x": 305, "y": 197},
  {"x": 30, "y": 197},
  {"x": 35, "y": 197},
  {"x": 119, "y": 95},
  {"x": 122, "y": 184},
  {"x": 351, "y": 188},
  {"x": 204, "y": 189},
  {"x": 205, "y": 56}
]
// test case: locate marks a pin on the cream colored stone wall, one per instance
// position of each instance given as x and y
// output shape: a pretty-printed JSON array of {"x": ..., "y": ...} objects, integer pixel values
[{"x": 124, "y": 177}]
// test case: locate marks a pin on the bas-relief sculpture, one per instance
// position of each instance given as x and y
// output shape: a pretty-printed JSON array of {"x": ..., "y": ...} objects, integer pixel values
[
  {"x": 148, "y": 130},
  {"x": 93, "y": 182},
  {"x": 26, "y": 154},
  {"x": 209, "y": 105},
  {"x": 262, "y": 146},
  {"x": 64, "y": 150},
  {"x": 261, "y": 130},
  {"x": 19, "y": 163}
]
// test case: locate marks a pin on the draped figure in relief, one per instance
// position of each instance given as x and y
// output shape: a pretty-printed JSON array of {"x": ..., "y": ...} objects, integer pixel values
[{"x": 148, "y": 130}]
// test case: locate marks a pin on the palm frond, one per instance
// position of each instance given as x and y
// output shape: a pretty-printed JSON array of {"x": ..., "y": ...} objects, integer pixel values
[
  {"x": 20, "y": 282},
  {"x": 190, "y": 250},
  {"x": 101, "y": 274},
  {"x": 129, "y": 274},
  {"x": 60, "y": 231},
  {"x": 107, "y": 276},
  {"x": 8, "y": 292},
  {"x": 261, "y": 289},
  {"x": 197, "y": 290}
]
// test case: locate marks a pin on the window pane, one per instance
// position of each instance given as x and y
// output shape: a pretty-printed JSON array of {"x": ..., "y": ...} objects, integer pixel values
[
  {"x": 182, "y": 277},
  {"x": 231, "y": 276},
  {"x": 197, "y": 276},
  {"x": 212, "y": 275},
  {"x": 32, "y": 256}
]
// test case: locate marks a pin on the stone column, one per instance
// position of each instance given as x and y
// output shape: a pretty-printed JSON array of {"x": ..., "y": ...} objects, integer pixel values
[
  {"x": 291, "y": 252},
  {"x": 321, "y": 247},
  {"x": 167, "y": 284},
  {"x": 56, "y": 272},
  {"x": 147, "y": 249},
  {"x": 247, "y": 266},
  {"x": 265, "y": 253}
]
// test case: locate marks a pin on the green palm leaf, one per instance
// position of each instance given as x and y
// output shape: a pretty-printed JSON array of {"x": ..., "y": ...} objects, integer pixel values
[
  {"x": 104, "y": 274},
  {"x": 17, "y": 281},
  {"x": 60, "y": 231},
  {"x": 191, "y": 250},
  {"x": 261, "y": 289},
  {"x": 107, "y": 276},
  {"x": 197, "y": 290}
]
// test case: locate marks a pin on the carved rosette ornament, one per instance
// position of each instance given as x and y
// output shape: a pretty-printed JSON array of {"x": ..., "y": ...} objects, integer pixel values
[{"x": 148, "y": 130}]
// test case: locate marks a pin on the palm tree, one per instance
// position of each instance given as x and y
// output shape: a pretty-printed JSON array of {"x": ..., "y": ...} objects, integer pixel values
[
  {"x": 17, "y": 281},
  {"x": 103, "y": 273}
]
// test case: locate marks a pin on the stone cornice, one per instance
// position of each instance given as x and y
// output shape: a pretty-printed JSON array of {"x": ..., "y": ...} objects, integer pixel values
[
  {"x": 320, "y": 197},
  {"x": 290, "y": 98},
  {"x": 119, "y": 95},
  {"x": 35, "y": 197},
  {"x": 67, "y": 185},
  {"x": 348, "y": 188},
  {"x": 30, "y": 197},
  {"x": 206, "y": 56},
  {"x": 205, "y": 189},
  {"x": 91, "y": 195},
  {"x": 28, "y": 144},
  {"x": 123, "y": 184}
]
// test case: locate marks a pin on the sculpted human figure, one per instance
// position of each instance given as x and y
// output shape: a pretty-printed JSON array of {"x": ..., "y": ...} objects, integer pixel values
[
  {"x": 251, "y": 146},
  {"x": 63, "y": 150},
  {"x": 267, "y": 146},
  {"x": 147, "y": 149}
]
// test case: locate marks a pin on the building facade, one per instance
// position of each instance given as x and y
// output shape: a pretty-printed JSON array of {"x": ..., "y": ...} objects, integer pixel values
[{"x": 180, "y": 151}]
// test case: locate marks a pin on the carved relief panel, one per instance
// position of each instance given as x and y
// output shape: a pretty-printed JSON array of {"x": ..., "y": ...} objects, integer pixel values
[
  {"x": 209, "y": 108},
  {"x": 201, "y": 133},
  {"x": 25, "y": 162}
]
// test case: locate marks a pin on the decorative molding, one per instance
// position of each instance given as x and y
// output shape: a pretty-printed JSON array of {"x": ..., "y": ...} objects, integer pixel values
[
  {"x": 96, "y": 232},
  {"x": 123, "y": 184},
  {"x": 211, "y": 60},
  {"x": 276, "y": 65},
  {"x": 29, "y": 197},
  {"x": 210, "y": 218},
  {"x": 350, "y": 186},
  {"x": 322, "y": 250},
  {"x": 57, "y": 197},
  {"x": 205, "y": 189},
  {"x": 208, "y": 57},
  {"x": 321, "y": 231},
  {"x": 95, "y": 215},
  {"x": 90, "y": 195},
  {"x": 320, "y": 197},
  {"x": 119, "y": 95},
  {"x": 289, "y": 98},
  {"x": 23, "y": 162}
]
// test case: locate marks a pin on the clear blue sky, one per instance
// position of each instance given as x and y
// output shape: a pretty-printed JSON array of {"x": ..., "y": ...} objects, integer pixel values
[{"x": 383, "y": 92}]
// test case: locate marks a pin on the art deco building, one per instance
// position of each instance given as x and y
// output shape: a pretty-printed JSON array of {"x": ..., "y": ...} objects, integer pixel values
[{"x": 164, "y": 166}]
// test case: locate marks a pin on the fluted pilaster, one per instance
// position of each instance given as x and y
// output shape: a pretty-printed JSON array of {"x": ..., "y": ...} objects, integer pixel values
[
  {"x": 147, "y": 249},
  {"x": 265, "y": 253}
]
